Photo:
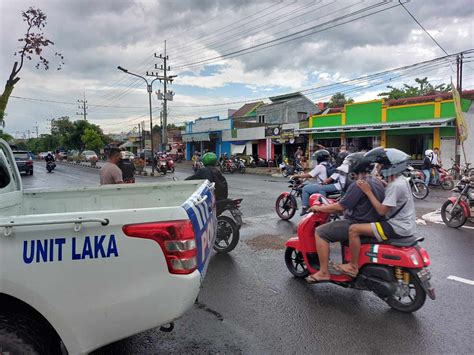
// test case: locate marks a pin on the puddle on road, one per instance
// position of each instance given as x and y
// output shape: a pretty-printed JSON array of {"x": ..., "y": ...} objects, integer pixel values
[{"x": 267, "y": 241}]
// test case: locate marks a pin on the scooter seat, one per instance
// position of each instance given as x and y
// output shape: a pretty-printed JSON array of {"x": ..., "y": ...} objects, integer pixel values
[
  {"x": 402, "y": 242},
  {"x": 334, "y": 196}
]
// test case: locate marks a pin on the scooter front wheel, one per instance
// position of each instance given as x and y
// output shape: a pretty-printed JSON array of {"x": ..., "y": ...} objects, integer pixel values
[
  {"x": 453, "y": 217},
  {"x": 295, "y": 263},
  {"x": 286, "y": 207},
  {"x": 419, "y": 190},
  {"x": 447, "y": 184},
  {"x": 228, "y": 235},
  {"x": 412, "y": 301}
]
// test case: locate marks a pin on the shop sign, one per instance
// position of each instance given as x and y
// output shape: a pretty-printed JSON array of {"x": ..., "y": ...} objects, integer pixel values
[
  {"x": 273, "y": 131},
  {"x": 288, "y": 133}
]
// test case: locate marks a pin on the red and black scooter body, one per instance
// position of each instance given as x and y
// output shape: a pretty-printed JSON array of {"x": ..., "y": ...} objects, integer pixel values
[{"x": 378, "y": 263}]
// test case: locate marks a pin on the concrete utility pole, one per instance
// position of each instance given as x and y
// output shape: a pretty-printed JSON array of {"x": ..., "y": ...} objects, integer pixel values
[
  {"x": 459, "y": 64},
  {"x": 36, "y": 129},
  {"x": 83, "y": 106},
  {"x": 166, "y": 94},
  {"x": 149, "y": 88}
]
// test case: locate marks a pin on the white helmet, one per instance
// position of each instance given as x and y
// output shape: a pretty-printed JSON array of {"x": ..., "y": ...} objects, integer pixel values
[{"x": 429, "y": 153}]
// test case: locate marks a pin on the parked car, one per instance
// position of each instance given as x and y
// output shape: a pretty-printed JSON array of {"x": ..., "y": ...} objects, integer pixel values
[
  {"x": 24, "y": 161},
  {"x": 62, "y": 154},
  {"x": 43, "y": 155},
  {"x": 127, "y": 155},
  {"x": 89, "y": 155}
]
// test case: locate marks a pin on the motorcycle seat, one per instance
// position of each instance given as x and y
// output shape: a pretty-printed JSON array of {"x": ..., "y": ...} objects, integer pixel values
[
  {"x": 225, "y": 204},
  {"x": 334, "y": 196},
  {"x": 402, "y": 242}
]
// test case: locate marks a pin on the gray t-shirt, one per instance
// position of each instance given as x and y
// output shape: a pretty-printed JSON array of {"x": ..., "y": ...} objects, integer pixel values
[
  {"x": 110, "y": 174},
  {"x": 396, "y": 194},
  {"x": 358, "y": 208}
]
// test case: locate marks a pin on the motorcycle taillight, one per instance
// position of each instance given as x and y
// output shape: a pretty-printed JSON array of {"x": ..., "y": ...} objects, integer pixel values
[{"x": 424, "y": 256}]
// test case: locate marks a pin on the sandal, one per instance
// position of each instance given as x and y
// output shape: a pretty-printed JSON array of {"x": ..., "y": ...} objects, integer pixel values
[
  {"x": 311, "y": 279},
  {"x": 342, "y": 268}
]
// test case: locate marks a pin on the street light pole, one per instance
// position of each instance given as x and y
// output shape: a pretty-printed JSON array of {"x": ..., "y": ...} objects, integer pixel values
[{"x": 149, "y": 87}]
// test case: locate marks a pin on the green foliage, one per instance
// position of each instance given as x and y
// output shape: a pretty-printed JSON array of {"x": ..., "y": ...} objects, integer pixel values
[
  {"x": 339, "y": 100},
  {"x": 5, "y": 136},
  {"x": 92, "y": 139},
  {"x": 423, "y": 88}
]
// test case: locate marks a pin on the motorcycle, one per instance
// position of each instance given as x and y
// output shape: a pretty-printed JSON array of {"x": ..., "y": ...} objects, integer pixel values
[
  {"x": 197, "y": 165},
  {"x": 286, "y": 204},
  {"x": 169, "y": 165},
  {"x": 227, "y": 166},
  {"x": 445, "y": 180},
  {"x": 239, "y": 165},
  {"x": 50, "y": 165},
  {"x": 457, "y": 210},
  {"x": 287, "y": 170},
  {"x": 395, "y": 270},
  {"x": 162, "y": 166},
  {"x": 228, "y": 229},
  {"x": 418, "y": 188}
]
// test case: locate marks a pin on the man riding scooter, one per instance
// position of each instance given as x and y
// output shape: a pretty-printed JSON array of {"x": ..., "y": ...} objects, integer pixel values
[{"x": 356, "y": 207}]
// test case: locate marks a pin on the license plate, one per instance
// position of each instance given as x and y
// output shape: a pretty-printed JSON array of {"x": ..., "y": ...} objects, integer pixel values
[{"x": 424, "y": 275}]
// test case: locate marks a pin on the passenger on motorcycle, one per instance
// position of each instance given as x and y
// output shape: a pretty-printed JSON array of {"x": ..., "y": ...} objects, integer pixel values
[
  {"x": 356, "y": 207},
  {"x": 213, "y": 174},
  {"x": 397, "y": 209},
  {"x": 319, "y": 173},
  {"x": 427, "y": 165},
  {"x": 49, "y": 158}
]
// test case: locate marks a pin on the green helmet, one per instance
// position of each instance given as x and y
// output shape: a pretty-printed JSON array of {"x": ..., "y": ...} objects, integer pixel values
[{"x": 209, "y": 159}]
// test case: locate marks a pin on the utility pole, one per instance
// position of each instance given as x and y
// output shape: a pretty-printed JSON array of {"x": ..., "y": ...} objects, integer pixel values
[
  {"x": 459, "y": 64},
  {"x": 83, "y": 106},
  {"x": 36, "y": 129},
  {"x": 140, "y": 135},
  {"x": 166, "y": 94}
]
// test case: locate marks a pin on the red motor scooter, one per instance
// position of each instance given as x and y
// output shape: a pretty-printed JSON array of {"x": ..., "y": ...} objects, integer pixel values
[
  {"x": 170, "y": 164},
  {"x": 395, "y": 270}
]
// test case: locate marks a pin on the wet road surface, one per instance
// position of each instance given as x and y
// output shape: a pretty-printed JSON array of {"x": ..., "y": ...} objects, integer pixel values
[{"x": 251, "y": 304}]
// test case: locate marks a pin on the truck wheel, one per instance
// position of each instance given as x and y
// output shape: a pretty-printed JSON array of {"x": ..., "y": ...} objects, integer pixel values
[{"x": 24, "y": 335}]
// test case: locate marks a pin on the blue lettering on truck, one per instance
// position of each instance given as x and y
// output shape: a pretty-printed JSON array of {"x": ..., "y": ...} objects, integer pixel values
[
  {"x": 49, "y": 250},
  {"x": 204, "y": 221}
]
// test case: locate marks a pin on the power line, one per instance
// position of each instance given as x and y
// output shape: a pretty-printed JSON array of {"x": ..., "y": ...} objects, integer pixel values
[{"x": 424, "y": 29}]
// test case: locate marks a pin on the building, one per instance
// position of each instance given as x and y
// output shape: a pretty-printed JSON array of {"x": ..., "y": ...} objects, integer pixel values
[
  {"x": 205, "y": 134},
  {"x": 246, "y": 116},
  {"x": 412, "y": 125}
]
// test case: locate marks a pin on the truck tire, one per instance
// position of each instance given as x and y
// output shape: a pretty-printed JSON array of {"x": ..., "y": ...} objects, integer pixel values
[{"x": 20, "y": 334}]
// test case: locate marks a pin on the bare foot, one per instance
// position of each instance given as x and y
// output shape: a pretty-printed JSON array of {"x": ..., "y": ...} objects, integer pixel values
[{"x": 348, "y": 269}]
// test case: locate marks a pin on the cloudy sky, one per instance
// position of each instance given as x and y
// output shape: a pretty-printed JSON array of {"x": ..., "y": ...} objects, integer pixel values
[{"x": 349, "y": 39}]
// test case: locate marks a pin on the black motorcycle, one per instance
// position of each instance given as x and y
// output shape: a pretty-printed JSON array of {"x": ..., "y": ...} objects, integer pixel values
[
  {"x": 239, "y": 165},
  {"x": 50, "y": 165},
  {"x": 287, "y": 170},
  {"x": 419, "y": 189},
  {"x": 228, "y": 229}
]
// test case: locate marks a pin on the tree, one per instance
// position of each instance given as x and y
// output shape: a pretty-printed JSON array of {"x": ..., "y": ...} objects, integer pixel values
[
  {"x": 339, "y": 100},
  {"x": 5, "y": 136},
  {"x": 33, "y": 45},
  {"x": 62, "y": 127},
  {"x": 424, "y": 88},
  {"x": 92, "y": 140}
]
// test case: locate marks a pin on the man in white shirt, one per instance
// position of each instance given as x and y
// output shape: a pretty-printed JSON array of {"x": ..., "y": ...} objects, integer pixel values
[
  {"x": 319, "y": 173},
  {"x": 436, "y": 163}
]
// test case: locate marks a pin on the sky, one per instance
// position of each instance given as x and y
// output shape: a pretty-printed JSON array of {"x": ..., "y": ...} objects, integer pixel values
[{"x": 96, "y": 36}]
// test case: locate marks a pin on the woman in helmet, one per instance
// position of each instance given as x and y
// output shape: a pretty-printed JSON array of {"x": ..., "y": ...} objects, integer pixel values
[
  {"x": 397, "y": 208},
  {"x": 211, "y": 173},
  {"x": 427, "y": 165}
]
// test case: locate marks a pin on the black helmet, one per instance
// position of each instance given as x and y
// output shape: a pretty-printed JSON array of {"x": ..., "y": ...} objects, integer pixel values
[
  {"x": 357, "y": 163},
  {"x": 321, "y": 155},
  {"x": 392, "y": 161}
]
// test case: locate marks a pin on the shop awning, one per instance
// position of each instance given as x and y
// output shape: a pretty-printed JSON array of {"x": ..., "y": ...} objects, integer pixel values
[
  {"x": 196, "y": 137},
  {"x": 127, "y": 144},
  {"x": 237, "y": 149},
  {"x": 439, "y": 122}
]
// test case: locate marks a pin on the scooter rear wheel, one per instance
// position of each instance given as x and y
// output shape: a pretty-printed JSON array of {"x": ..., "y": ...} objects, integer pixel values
[
  {"x": 447, "y": 184},
  {"x": 412, "y": 302},
  {"x": 286, "y": 206},
  {"x": 228, "y": 235},
  {"x": 295, "y": 263}
]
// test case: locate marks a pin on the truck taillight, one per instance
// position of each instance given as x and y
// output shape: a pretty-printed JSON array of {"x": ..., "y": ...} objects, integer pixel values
[{"x": 176, "y": 239}]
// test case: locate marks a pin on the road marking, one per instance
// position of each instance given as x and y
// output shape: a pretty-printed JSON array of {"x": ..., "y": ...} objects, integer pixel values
[
  {"x": 421, "y": 221},
  {"x": 460, "y": 279}
]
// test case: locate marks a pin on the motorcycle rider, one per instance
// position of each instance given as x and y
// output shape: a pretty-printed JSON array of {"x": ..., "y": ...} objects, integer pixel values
[
  {"x": 398, "y": 206},
  {"x": 319, "y": 173},
  {"x": 427, "y": 165},
  {"x": 128, "y": 169},
  {"x": 49, "y": 158},
  {"x": 213, "y": 174},
  {"x": 356, "y": 207}
]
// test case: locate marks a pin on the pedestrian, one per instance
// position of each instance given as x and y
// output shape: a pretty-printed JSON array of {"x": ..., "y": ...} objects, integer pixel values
[
  {"x": 298, "y": 156},
  {"x": 343, "y": 153},
  {"x": 436, "y": 163},
  {"x": 110, "y": 173}
]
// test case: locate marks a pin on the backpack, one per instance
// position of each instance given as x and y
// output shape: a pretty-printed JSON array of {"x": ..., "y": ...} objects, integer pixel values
[{"x": 330, "y": 168}]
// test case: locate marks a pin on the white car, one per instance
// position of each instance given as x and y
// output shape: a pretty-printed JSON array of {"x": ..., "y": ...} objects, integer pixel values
[
  {"x": 89, "y": 155},
  {"x": 127, "y": 155},
  {"x": 87, "y": 266},
  {"x": 43, "y": 155}
]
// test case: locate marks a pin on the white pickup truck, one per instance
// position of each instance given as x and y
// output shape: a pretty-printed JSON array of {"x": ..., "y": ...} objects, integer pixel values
[{"x": 81, "y": 268}]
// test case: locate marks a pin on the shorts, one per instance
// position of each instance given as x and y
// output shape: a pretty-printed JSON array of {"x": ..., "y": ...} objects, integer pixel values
[
  {"x": 383, "y": 231},
  {"x": 336, "y": 231}
]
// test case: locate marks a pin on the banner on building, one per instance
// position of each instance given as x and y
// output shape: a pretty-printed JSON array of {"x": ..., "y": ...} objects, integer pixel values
[
  {"x": 273, "y": 131},
  {"x": 460, "y": 120},
  {"x": 287, "y": 133}
]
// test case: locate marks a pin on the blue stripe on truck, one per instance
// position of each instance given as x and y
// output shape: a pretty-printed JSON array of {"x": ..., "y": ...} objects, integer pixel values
[{"x": 204, "y": 222}]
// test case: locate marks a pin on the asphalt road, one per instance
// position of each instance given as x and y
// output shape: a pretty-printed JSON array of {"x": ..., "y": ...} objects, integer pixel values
[{"x": 250, "y": 303}]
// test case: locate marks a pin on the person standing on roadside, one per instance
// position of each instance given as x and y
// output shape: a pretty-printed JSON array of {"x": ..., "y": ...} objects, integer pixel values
[
  {"x": 110, "y": 173},
  {"x": 343, "y": 153}
]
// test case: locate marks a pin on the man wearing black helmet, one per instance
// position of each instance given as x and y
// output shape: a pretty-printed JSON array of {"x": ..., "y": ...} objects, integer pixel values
[
  {"x": 397, "y": 208},
  {"x": 356, "y": 207},
  {"x": 319, "y": 173}
]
